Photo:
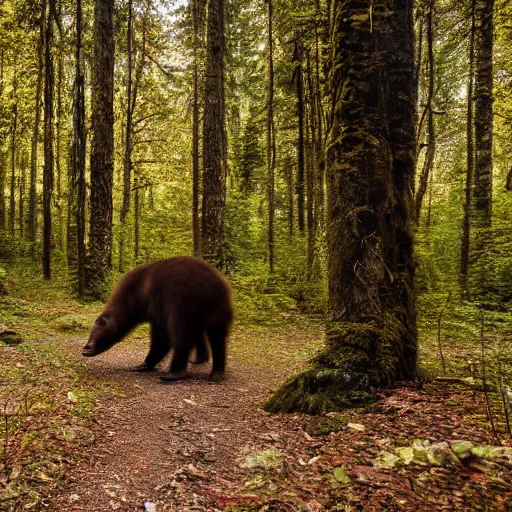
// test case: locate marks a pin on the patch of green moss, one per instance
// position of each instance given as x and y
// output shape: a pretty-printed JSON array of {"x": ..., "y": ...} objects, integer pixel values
[{"x": 327, "y": 425}]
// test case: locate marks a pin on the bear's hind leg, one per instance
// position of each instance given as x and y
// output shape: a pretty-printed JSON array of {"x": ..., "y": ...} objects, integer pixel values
[
  {"x": 202, "y": 355},
  {"x": 218, "y": 335},
  {"x": 158, "y": 349},
  {"x": 183, "y": 341}
]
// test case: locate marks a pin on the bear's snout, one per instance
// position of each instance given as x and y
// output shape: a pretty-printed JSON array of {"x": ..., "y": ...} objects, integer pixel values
[{"x": 88, "y": 350}]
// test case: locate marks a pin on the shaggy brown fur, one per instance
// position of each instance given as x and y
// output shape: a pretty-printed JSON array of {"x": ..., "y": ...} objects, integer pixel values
[{"x": 185, "y": 299}]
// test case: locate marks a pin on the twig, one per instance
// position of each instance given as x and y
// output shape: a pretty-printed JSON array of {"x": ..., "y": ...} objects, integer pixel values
[
  {"x": 484, "y": 379},
  {"x": 440, "y": 347}
]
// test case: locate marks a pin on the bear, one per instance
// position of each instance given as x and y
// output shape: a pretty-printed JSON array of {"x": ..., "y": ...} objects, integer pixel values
[{"x": 185, "y": 300}]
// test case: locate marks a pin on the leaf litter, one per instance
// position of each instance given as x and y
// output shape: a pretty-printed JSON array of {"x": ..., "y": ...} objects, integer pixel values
[{"x": 156, "y": 449}]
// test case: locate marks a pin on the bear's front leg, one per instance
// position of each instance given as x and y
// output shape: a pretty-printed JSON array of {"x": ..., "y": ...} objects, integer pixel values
[{"x": 158, "y": 349}]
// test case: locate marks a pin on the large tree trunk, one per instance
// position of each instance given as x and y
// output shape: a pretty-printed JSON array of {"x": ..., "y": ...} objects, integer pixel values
[
  {"x": 99, "y": 260},
  {"x": 214, "y": 139},
  {"x": 48, "y": 142},
  {"x": 371, "y": 338},
  {"x": 481, "y": 210},
  {"x": 77, "y": 191}
]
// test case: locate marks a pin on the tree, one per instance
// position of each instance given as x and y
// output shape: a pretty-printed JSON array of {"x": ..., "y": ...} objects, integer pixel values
[
  {"x": 197, "y": 7},
  {"x": 466, "y": 229},
  {"x": 481, "y": 211},
  {"x": 371, "y": 337},
  {"x": 271, "y": 142},
  {"x": 297, "y": 57},
  {"x": 214, "y": 139},
  {"x": 428, "y": 112},
  {"x": 32, "y": 207},
  {"x": 102, "y": 150},
  {"x": 77, "y": 191},
  {"x": 48, "y": 141}
]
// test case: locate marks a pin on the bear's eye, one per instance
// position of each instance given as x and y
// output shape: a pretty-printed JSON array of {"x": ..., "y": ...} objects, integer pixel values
[{"x": 101, "y": 321}]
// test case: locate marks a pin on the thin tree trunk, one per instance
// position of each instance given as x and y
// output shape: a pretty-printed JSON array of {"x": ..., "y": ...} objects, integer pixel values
[
  {"x": 196, "y": 226},
  {"x": 291, "y": 197},
  {"x": 466, "y": 223},
  {"x": 428, "y": 164},
  {"x": 22, "y": 186},
  {"x": 127, "y": 165},
  {"x": 77, "y": 191},
  {"x": 3, "y": 155},
  {"x": 300, "y": 143},
  {"x": 214, "y": 139},
  {"x": 102, "y": 150},
  {"x": 58, "y": 150},
  {"x": 48, "y": 142},
  {"x": 312, "y": 171},
  {"x": 481, "y": 210},
  {"x": 136, "y": 225},
  {"x": 32, "y": 208},
  {"x": 14, "y": 126},
  {"x": 320, "y": 149},
  {"x": 271, "y": 144}
]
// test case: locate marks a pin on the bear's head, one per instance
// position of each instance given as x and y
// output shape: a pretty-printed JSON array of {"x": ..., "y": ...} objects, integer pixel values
[{"x": 104, "y": 334}]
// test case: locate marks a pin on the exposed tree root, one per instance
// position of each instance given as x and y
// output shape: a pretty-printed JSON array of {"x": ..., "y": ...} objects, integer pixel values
[{"x": 358, "y": 358}]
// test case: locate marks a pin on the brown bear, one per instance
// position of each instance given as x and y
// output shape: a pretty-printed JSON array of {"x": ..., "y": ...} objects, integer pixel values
[{"x": 184, "y": 299}]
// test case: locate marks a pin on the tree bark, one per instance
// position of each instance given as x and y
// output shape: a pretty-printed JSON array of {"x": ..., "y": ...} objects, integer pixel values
[
  {"x": 14, "y": 127},
  {"x": 466, "y": 222},
  {"x": 48, "y": 170},
  {"x": 77, "y": 189},
  {"x": 481, "y": 210},
  {"x": 271, "y": 143},
  {"x": 32, "y": 207},
  {"x": 428, "y": 164},
  {"x": 99, "y": 256},
  {"x": 214, "y": 139},
  {"x": 3, "y": 154},
  {"x": 297, "y": 57},
  {"x": 127, "y": 164},
  {"x": 196, "y": 171},
  {"x": 371, "y": 339}
]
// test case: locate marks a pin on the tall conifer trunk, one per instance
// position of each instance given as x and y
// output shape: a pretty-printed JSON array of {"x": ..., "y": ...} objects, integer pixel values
[
  {"x": 271, "y": 143},
  {"x": 48, "y": 170},
  {"x": 14, "y": 132},
  {"x": 102, "y": 150},
  {"x": 3, "y": 154},
  {"x": 77, "y": 191},
  {"x": 196, "y": 225},
  {"x": 214, "y": 139},
  {"x": 371, "y": 337},
  {"x": 297, "y": 57},
  {"x": 32, "y": 207},
  {"x": 481, "y": 210},
  {"x": 466, "y": 222}
]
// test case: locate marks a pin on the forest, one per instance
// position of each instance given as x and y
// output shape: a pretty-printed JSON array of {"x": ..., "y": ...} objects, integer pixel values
[{"x": 345, "y": 164}]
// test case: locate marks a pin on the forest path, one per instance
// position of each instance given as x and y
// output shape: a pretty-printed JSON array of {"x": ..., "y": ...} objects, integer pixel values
[{"x": 179, "y": 445}]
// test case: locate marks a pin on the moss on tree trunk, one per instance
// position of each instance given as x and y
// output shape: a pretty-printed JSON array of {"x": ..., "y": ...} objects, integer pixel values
[{"x": 371, "y": 338}]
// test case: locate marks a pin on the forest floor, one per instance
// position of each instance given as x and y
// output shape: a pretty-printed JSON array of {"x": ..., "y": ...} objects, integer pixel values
[{"x": 89, "y": 435}]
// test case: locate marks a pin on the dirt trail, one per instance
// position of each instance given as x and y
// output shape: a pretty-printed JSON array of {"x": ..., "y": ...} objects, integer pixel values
[{"x": 179, "y": 445}]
